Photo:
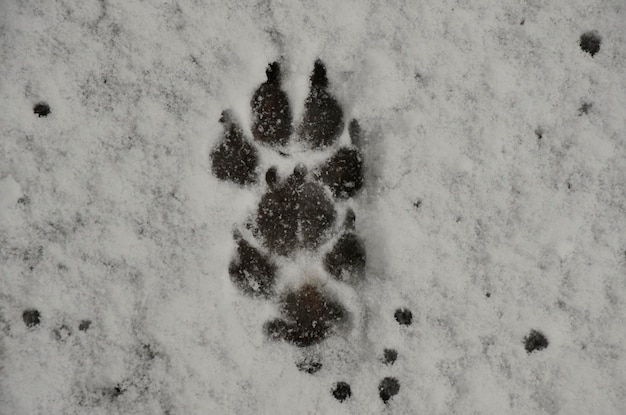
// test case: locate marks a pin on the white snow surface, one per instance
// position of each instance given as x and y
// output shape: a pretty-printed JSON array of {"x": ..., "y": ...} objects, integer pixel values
[{"x": 109, "y": 211}]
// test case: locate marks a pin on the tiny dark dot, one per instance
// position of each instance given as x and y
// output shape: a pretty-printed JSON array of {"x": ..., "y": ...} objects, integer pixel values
[
  {"x": 388, "y": 387},
  {"x": 117, "y": 391},
  {"x": 41, "y": 109},
  {"x": 84, "y": 325},
  {"x": 147, "y": 353},
  {"x": 341, "y": 391},
  {"x": 539, "y": 133},
  {"x": 62, "y": 333},
  {"x": 309, "y": 365},
  {"x": 585, "y": 108},
  {"x": 417, "y": 203},
  {"x": 404, "y": 316},
  {"x": 390, "y": 356},
  {"x": 522, "y": 22},
  {"x": 488, "y": 295},
  {"x": 31, "y": 317},
  {"x": 535, "y": 340},
  {"x": 590, "y": 42}
]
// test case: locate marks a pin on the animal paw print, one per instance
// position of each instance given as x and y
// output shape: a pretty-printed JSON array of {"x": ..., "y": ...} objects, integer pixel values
[{"x": 297, "y": 214}]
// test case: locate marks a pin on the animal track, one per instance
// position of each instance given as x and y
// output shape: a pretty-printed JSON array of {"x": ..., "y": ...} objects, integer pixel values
[
  {"x": 297, "y": 213},
  {"x": 305, "y": 212}
]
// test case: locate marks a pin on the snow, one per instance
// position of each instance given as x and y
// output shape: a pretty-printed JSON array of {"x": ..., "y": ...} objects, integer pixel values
[{"x": 109, "y": 211}]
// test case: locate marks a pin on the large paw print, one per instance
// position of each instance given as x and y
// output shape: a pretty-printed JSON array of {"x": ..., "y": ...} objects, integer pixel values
[{"x": 297, "y": 213}]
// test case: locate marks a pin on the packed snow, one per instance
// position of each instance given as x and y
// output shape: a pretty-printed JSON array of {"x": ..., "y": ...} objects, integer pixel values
[{"x": 493, "y": 211}]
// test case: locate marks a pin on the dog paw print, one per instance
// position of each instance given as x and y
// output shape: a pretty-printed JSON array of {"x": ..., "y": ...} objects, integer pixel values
[
  {"x": 305, "y": 211},
  {"x": 300, "y": 211}
]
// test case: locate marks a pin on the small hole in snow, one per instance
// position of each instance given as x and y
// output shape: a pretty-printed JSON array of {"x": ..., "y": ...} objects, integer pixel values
[
  {"x": 84, "y": 325},
  {"x": 309, "y": 365},
  {"x": 390, "y": 356},
  {"x": 590, "y": 42},
  {"x": 31, "y": 317},
  {"x": 404, "y": 316},
  {"x": 535, "y": 340},
  {"x": 585, "y": 108},
  {"x": 341, "y": 391},
  {"x": 388, "y": 387},
  {"x": 41, "y": 109},
  {"x": 62, "y": 333}
]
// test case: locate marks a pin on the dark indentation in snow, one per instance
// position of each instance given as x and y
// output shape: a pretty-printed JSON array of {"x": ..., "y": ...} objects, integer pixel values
[
  {"x": 341, "y": 391},
  {"x": 590, "y": 42},
  {"x": 585, "y": 108},
  {"x": 417, "y": 203},
  {"x": 322, "y": 122},
  {"x": 346, "y": 260},
  {"x": 42, "y": 109},
  {"x": 488, "y": 295},
  {"x": 271, "y": 114},
  {"x": 33, "y": 256},
  {"x": 343, "y": 172},
  {"x": 234, "y": 158},
  {"x": 390, "y": 356},
  {"x": 522, "y": 22},
  {"x": 31, "y": 317},
  {"x": 252, "y": 271},
  {"x": 309, "y": 317},
  {"x": 294, "y": 213},
  {"x": 535, "y": 340},
  {"x": 116, "y": 391},
  {"x": 354, "y": 130},
  {"x": 316, "y": 215},
  {"x": 388, "y": 387},
  {"x": 403, "y": 316},
  {"x": 84, "y": 325},
  {"x": 309, "y": 365},
  {"x": 539, "y": 133},
  {"x": 24, "y": 201},
  {"x": 62, "y": 333},
  {"x": 147, "y": 352}
]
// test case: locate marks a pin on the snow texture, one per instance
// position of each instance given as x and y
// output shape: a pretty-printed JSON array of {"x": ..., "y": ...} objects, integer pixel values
[{"x": 493, "y": 206}]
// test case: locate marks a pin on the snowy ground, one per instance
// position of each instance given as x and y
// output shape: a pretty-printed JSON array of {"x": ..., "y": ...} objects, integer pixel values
[{"x": 495, "y": 204}]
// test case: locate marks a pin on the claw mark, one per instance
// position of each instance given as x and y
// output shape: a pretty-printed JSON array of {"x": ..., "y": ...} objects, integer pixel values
[
  {"x": 323, "y": 117},
  {"x": 270, "y": 110}
]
